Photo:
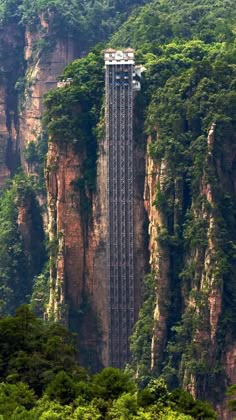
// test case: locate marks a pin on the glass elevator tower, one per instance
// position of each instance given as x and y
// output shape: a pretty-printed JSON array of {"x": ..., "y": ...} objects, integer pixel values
[{"x": 120, "y": 87}]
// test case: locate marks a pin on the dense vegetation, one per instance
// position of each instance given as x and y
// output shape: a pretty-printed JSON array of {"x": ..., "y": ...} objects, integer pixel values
[
  {"x": 20, "y": 261},
  {"x": 41, "y": 379},
  {"x": 184, "y": 111},
  {"x": 87, "y": 21},
  {"x": 191, "y": 86},
  {"x": 160, "y": 22}
]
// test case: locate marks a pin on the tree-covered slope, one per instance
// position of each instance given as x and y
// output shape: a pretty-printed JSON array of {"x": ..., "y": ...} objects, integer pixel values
[{"x": 160, "y": 22}]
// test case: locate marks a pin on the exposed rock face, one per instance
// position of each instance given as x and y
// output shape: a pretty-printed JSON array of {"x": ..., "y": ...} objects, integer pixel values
[
  {"x": 214, "y": 277},
  {"x": 30, "y": 68},
  {"x": 5, "y": 171},
  {"x": 78, "y": 273},
  {"x": 43, "y": 68},
  {"x": 159, "y": 259},
  {"x": 141, "y": 236},
  {"x": 65, "y": 226},
  {"x": 12, "y": 68},
  {"x": 204, "y": 280}
]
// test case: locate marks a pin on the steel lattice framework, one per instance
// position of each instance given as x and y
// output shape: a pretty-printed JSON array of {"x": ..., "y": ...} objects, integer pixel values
[{"x": 120, "y": 225}]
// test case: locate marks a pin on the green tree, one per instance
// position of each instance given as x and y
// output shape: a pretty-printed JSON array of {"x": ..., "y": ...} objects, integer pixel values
[
  {"x": 231, "y": 393},
  {"x": 110, "y": 383},
  {"x": 15, "y": 396},
  {"x": 62, "y": 388},
  {"x": 124, "y": 408},
  {"x": 195, "y": 408},
  {"x": 34, "y": 351}
]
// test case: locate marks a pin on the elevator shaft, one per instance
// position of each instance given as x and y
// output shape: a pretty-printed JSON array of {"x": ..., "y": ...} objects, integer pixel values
[{"x": 120, "y": 221}]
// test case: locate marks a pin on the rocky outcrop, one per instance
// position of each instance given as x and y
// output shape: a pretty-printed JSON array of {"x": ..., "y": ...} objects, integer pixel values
[
  {"x": 4, "y": 171},
  {"x": 12, "y": 68},
  {"x": 31, "y": 63},
  {"x": 78, "y": 261},
  {"x": 44, "y": 64},
  {"x": 66, "y": 229},
  {"x": 159, "y": 259},
  {"x": 203, "y": 272},
  {"x": 214, "y": 278}
]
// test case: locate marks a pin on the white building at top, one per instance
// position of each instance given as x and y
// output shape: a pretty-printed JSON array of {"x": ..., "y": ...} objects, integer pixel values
[{"x": 125, "y": 56}]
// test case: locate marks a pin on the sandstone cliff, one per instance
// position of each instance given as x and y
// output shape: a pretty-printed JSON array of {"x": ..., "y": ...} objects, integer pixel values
[
  {"x": 43, "y": 66},
  {"x": 12, "y": 68},
  {"x": 206, "y": 350},
  {"x": 32, "y": 61}
]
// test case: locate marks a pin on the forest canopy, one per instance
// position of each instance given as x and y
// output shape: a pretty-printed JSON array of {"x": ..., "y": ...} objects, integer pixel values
[{"x": 41, "y": 379}]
